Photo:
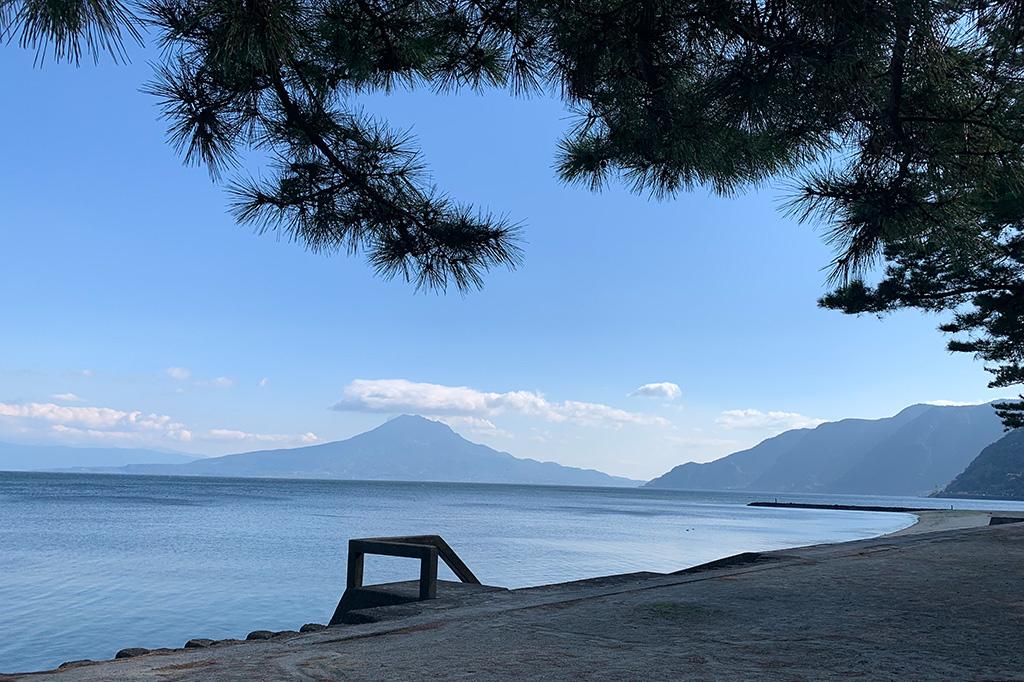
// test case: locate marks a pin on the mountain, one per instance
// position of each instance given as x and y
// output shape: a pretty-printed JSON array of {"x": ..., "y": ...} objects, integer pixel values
[
  {"x": 14, "y": 457},
  {"x": 914, "y": 452},
  {"x": 998, "y": 472},
  {"x": 406, "y": 448}
]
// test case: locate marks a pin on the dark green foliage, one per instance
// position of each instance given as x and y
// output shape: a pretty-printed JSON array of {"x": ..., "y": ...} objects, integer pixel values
[
  {"x": 899, "y": 121},
  {"x": 70, "y": 27},
  {"x": 998, "y": 472}
]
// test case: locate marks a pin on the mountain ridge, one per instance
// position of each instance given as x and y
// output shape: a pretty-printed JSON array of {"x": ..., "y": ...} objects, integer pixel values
[
  {"x": 405, "y": 448},
  {"x": 914, "y": 452}
]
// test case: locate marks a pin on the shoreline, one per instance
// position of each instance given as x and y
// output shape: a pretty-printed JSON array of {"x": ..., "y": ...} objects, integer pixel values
[
  {"x": 237, "y": 636},
  {"x": 818, "y": 612},
  {"x": 35, "y": 638},
  {"x": 936, "y": 520},
  {"x": 927, "y": 520},
  {"x": 456, "y": 604}
]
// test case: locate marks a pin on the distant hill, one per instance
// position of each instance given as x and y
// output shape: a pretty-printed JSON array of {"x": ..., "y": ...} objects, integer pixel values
[
  {"x": 914, "y": 452},
  {"x": 15, "y": 457},
  {"x": 998, "y": 472},
  {"x": 406, "y": 448}
]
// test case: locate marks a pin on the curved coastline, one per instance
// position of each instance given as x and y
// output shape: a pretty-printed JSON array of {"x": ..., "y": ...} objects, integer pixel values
[
  {"x": 932, "y": 520},
  {"x": 926, "y": 520}
]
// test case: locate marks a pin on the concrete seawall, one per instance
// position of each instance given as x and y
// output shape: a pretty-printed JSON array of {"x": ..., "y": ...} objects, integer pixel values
[{"x": 939, "y": 600}]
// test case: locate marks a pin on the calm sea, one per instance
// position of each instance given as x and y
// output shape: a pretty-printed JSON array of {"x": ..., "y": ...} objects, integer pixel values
[{"x": 90, "y": 564}]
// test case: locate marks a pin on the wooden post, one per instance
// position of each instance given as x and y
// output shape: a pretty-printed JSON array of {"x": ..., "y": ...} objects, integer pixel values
[
  {"x": 355, "y": 565},
  {"x": 428, "y": 575}
]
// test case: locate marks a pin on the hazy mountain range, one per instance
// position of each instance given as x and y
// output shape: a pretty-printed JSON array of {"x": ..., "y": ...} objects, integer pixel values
[
  {"x": 998, "y": 472},
  {"x": 406, "y": 448},
  {"x": 15, "y": 457},
  {"x": 915, "y": 452}
]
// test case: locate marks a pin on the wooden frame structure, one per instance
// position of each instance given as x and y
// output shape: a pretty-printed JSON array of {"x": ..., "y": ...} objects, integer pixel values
[{"x": 427, "y": 548}]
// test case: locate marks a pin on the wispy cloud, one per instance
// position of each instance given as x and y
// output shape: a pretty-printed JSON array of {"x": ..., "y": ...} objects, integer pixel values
[
  {"x": 264, "y": 382},
  {"x": 178, "y": 373},
  {"x": 665, "y": 390},
  {"x": 184, "y": 374},
  {"x": 66, "y": 397},
  {"x": 700, "y": 441},
  {"x": 80, "y": 424},
  {"x": 774, "y": 421},
  {"x": 478, "y": 425},
  {"x": 95, "y": 421},
  {"x": 598, "y": 414},
  {"x": 307, "y": 438},
  {"x": 393, "y": 396}
]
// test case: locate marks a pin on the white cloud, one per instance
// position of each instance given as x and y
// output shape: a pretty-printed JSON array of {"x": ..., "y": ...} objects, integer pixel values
[
  {"x": 222, "y": 382},
  {"x": 119, "y": 435},
  {"x": 264, "y": 382},
  {"x": 96, "y": 420},
  {"x": 87, "y": 373},
  {"x": 472, "y": 424},
  {"x": 774, "y": 421},
  {"x": 307, "y": 438},
  {"x": 399, "y": 395},
  {"x": 662, "y": 389},
  {"x": 178, "y": 373},
  {"x": 592, "y": 414},
  {"x": 109, "y": 425},
  {"x": 66, "y": 397}
]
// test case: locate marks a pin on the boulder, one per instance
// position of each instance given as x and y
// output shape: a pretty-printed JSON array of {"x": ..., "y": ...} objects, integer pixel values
[
  {"x": 75, "y": 664},
  {"x": 259, "y": 634},
  {"x": 199, "y": 643},
  {"x": 221, "y": 642}
]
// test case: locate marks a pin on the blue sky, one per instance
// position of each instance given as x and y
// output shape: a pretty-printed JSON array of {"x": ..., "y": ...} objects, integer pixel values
[{"x": 136, "y": 312}]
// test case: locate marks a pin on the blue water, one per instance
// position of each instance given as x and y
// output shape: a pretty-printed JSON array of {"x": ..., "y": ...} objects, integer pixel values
[{"x": 90, "y": 564}]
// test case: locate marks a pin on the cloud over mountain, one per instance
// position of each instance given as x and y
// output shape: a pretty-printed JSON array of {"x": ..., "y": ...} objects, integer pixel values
[
  {"x": 307, "y": 438},
  {"x": 772, "y": 420},
  {"x": 393, "y": 396}
]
